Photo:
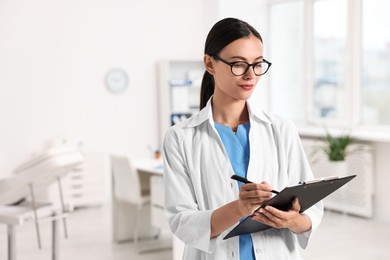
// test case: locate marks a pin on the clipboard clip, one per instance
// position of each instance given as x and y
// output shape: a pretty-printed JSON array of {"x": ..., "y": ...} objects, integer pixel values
[{"x": 329, "y": 178}]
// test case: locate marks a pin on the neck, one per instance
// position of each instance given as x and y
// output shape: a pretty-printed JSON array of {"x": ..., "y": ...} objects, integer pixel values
[{"x": 230, "y": 114}]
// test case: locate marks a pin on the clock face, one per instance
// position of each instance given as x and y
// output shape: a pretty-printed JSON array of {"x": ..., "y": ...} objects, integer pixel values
[{"x": 117, "y": 81}]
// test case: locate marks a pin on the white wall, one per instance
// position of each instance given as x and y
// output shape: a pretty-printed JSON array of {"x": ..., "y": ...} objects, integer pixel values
[
  {"x": 382, "y": 181},
  {"x": 53, "y": 59},
  {"x": 54, "y": 56}
]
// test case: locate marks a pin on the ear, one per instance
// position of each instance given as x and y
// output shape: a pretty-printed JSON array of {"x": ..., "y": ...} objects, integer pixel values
[{"x": 208, "y": 64}]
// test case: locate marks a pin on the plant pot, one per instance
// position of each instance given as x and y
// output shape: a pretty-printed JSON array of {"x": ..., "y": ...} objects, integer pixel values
[{"x": 337, "y": 168}]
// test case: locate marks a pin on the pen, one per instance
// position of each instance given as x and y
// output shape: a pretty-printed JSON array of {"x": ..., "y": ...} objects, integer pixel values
[{"x": 243, "y": 180}]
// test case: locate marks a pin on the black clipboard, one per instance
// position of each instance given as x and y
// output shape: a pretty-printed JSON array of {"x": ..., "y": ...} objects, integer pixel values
[{"x": 308, "y": 193}]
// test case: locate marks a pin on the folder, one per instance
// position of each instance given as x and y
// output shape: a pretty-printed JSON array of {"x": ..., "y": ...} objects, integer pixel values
[{"x": 308, "y": 193}]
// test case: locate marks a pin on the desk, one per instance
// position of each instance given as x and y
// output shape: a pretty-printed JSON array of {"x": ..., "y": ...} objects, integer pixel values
[
  {"x": 123, "y": 214},
  {"x": 149, "y": 165},
  {"x": 153, "y": 170},
  {"x": 151, "y": 175},
  {"x": 158, "y": 218}
]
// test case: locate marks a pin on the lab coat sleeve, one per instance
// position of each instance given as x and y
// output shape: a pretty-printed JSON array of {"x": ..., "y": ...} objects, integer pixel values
[
  {"x": 187, "y": 222},
  {"x": 299, "y": 170}
]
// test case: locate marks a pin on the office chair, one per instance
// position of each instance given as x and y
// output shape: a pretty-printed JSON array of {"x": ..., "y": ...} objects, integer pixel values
[{"x": 127, "y": 188}]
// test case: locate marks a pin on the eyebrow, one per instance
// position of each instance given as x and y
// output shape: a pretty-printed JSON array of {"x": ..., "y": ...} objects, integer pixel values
[{"x": 242, "y": 58}]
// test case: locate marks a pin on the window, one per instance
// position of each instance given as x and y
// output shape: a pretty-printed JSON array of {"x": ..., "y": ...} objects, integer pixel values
[
  {"x": 331, "y": 61},
  {"x": 286, "y": 91},
  {"x": 376, "y": 62}
]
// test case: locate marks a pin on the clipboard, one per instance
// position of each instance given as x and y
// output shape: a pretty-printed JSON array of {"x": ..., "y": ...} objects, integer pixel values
[{"x": 308, "y": 193}]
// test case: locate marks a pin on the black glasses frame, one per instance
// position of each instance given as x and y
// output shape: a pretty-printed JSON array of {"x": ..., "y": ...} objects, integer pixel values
[{"x": 231, "y": 64}]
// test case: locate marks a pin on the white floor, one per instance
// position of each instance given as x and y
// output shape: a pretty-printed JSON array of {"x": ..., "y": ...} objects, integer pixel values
[
  {"x": 346, "y": 237},
  {"x": 339, "y": 237}
]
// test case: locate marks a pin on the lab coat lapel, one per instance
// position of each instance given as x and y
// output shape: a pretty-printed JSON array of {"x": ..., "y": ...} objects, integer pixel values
[
  {"x": 261, "y": 143},
  {"x": 215, "y": 157},
  {"x": 222, "y": 163}
]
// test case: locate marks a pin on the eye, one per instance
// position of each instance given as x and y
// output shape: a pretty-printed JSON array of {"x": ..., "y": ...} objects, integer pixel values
[
  {"x": 240, "y": 65},
  {"x": 259, "y": 65}
]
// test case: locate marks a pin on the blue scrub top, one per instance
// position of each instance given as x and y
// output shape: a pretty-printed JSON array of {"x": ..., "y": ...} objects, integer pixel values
[{"x": 237, "y": 147}]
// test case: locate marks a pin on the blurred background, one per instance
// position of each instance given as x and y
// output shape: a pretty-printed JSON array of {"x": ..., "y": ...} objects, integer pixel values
[{"x": 109, "y": 77}]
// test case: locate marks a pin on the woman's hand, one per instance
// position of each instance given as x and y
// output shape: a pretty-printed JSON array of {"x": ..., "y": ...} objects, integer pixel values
[
  {"x": 251, "y": 196},
  {"x": 291, "y": 219}
]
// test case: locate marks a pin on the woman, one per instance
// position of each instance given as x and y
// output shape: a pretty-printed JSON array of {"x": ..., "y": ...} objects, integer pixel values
[{"x": 230, "y": 135}]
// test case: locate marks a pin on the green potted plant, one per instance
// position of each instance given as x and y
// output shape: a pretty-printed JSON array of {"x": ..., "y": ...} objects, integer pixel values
[{"x": 336, "y": 147}]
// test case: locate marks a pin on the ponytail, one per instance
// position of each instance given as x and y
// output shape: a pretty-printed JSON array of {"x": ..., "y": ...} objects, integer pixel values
[{"x": 207, "y": 89}]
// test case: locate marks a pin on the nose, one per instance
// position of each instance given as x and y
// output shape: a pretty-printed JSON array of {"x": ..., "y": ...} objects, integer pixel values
[{"x": 250, "y": 73}]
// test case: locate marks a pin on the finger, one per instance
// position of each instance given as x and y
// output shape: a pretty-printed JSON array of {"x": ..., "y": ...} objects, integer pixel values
[
  {"x": 263, "y": 218},
  {"x": 253, "y": 204},
  {"x": 274, "y": 212},
  {"x": 295, "y": 205},
  {"x": 266, "y": 183},
  {"x": 264, "y": 186},
  {"x": 255, "y": 194},
  {"x": 254, "y": 201},
  {"x": 258, "y": 216},
  {"x": 257, "y": 186},
  {"x": 259, "y": 194},
  {"x": 271, "y": 213},
  {"x": 257, "y": 189}
]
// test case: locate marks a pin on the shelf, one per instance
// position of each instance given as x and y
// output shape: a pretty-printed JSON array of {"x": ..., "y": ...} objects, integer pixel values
[
  {"x": 179, "y": 91},
  {"x": 362, "y": 134}
]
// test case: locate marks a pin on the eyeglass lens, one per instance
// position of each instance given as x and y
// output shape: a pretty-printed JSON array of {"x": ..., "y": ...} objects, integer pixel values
[{"x": 240, "y": 68}]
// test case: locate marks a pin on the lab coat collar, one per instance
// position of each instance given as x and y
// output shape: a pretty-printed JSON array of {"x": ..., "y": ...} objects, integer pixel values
[{"x": 207, "y": 114}]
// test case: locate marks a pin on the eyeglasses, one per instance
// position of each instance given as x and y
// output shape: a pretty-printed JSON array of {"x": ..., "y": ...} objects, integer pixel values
[{"x": 239, "y": 68}]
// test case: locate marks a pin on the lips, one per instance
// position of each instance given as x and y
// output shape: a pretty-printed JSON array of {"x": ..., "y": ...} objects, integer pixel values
[{"x": 247, "y": 86}]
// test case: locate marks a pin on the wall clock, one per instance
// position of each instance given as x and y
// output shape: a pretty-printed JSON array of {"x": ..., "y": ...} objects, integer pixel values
[{"x": 116, "y": 80}]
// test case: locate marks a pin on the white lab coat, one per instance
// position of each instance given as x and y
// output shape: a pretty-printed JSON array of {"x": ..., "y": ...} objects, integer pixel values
[{"x": 197, "y": 181}]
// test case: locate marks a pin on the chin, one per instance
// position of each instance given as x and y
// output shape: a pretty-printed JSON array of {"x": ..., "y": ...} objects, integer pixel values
[{"x": 245, "y": 96}]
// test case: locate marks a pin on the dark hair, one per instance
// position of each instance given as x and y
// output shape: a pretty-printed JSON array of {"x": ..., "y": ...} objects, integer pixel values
[{"x": 221, "y": 34}]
